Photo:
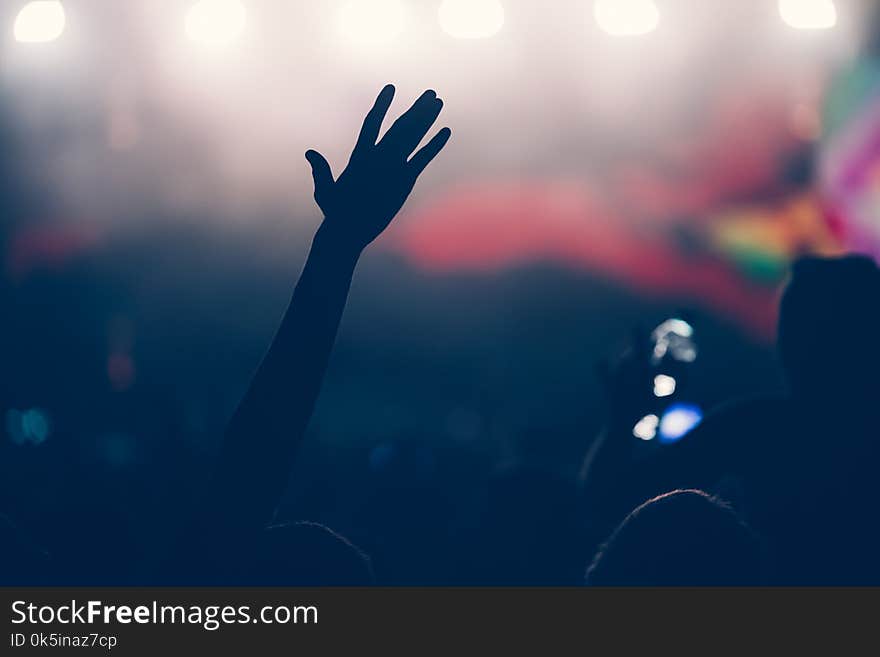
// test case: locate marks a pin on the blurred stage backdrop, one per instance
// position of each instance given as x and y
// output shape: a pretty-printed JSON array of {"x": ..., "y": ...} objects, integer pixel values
[{"x": 613, "y": 163}]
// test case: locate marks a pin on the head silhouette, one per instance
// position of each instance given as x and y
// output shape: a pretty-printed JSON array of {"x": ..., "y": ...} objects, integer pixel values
[
  {"x": 829, "y": 328},
  {"x": 683, "y": 538}
]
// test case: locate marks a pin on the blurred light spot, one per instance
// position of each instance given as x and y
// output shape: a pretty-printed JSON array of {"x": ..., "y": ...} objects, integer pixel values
[
  {"x": 216, "y": 22},
  {"x": 808, "y": 14},
  {"x": 120, "y": 371},
  {"x": 471, "y": 19},
  {"x": 40, "y": 22},
  {"x": 678, "y": 420},
  {"x": 35, "y": 424},
  {"x": 371, "y": 22},
  {"x": 664, "y": 385},
  {"x": 677, "y": 326},
  {"x": 31, "y": 426},
  {"x": 646, "y": 428},
  {"x": 685, "y": 352},
  {"x": 626, "y": 17},
  {"x": 674, "y": 337},
  {"x": 37, "y": 247}
]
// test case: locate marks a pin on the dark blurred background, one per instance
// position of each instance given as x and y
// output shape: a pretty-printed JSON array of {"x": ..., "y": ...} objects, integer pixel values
[{"x": 613, "y": 164}]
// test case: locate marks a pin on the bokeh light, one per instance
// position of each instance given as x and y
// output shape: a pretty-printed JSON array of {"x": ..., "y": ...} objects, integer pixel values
[
  {"x": 216, "y": 23},
  {"x": 808, "y": 14},
  {"x": 40, "y": 22},
  {"x": 471, "y": 19},
  {"x": 678, "y": 420},
  {"x": 674, "y": 338},
  {"x": 372, "y": 22},
  {"x": 664, "y": 385},
  {"x": 627, "y": 17},
  {"x": 646, "y": 428},
  {"x": 31, "y": 426}
]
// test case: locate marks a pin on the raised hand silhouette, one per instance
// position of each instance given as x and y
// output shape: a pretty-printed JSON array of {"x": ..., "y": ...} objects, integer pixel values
[
  {"x": 379, "y": 177},
  {"x": 263, "y": 435}
]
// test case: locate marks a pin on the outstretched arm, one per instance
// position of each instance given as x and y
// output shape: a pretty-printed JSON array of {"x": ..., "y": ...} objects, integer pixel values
[{"x": 266, "y": 429}]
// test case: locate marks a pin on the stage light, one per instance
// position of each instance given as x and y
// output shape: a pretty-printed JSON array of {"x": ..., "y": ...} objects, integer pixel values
[
  {"x": 39, "y": 22},
  {"x": 216, "y": 22},
  {"x": 678, "y": 420},
  {"x": 677, "y": 326},
  {"x": 32, "y": 426},
  {"x": 808, "y": 14},
  {"x": 626, "y": 17},
  {"x": 35, "y": 423},
  {"x": 646, "y": 428},
  {"x": 675, "y": 338},
  {"x": 664, "y": 385},
  {"x": 371, "y": 22},
  {"x": 471, "y": 19}
]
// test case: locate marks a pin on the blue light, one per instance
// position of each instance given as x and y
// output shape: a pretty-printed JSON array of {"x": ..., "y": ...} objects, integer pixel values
[
  {"x": 35, "y": 423},
  {"x": 32, "y": 426},
  {"x": 678, "y": 420}
]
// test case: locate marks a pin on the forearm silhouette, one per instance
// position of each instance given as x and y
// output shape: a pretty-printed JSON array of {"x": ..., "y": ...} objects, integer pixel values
[{"x": 264, "y": 433}]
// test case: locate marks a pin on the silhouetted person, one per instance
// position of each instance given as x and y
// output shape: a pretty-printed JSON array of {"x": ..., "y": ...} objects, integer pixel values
[
  {"x": 264, "y": 433},
  {"x": 805, "y": 463},
  {"x": 682, "y": 538},
  {"x": 829, "y": 332}
]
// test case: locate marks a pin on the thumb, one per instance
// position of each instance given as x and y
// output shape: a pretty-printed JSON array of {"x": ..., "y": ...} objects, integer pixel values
[{"x": 321, "y": 174}]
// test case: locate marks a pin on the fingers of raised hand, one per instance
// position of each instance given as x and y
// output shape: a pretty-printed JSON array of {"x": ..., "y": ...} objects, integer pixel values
[
  {"x": 428, "y": 152},
  {"x": 412, "y": 126},
  {"x": 373, "y": 121}
]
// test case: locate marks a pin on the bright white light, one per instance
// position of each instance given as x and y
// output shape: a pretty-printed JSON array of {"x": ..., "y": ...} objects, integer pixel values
[
  {"x": 471, "y": 19},
  {"x": 371, "y": 22},
  {"x": 677, "y": 326},
  {"x": 808, "y": 14},
  {"x": 646, "y": 428},
  {"x": 626, "y": 17},
  {"x": 674, "y": 337},
  {"x": 678, "y": 420},
  {"x": 216, "y": 22},
  {"x": 39, "y": 22},
  {"x": 664, "y": 385}
]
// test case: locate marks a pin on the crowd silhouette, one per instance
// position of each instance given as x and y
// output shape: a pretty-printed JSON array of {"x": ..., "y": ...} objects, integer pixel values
[{"x": 765, "y": 491}]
